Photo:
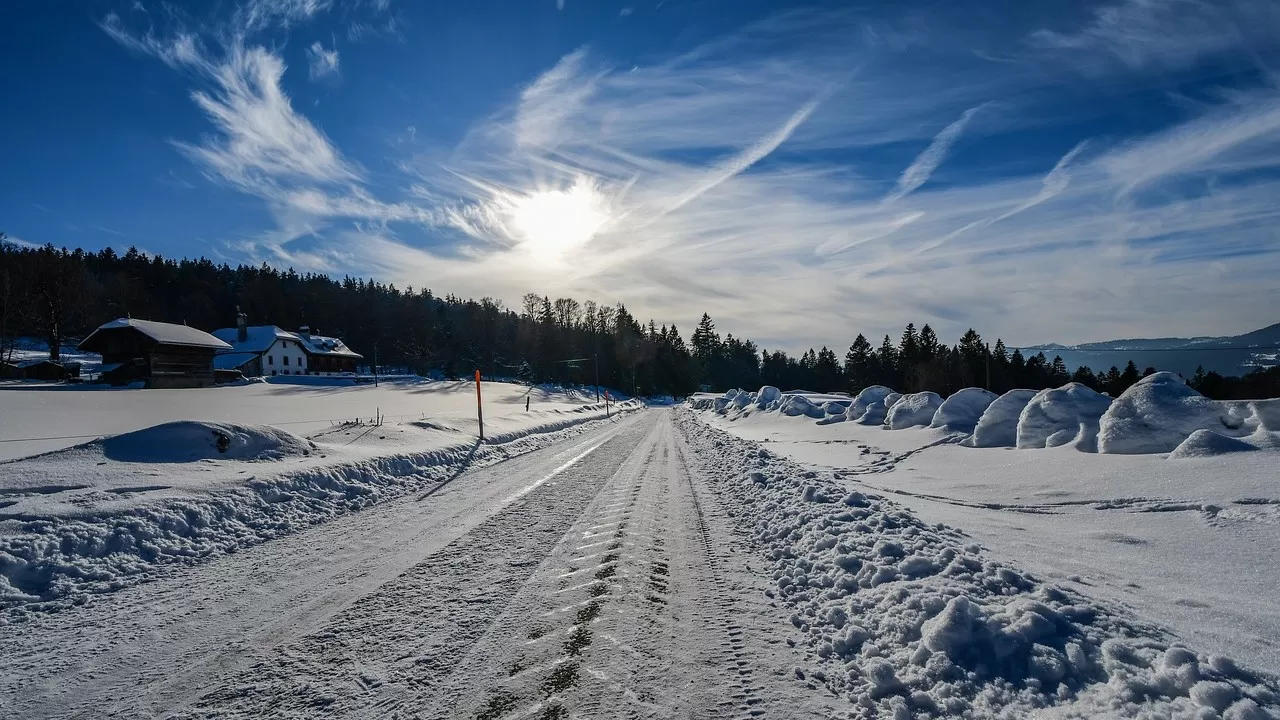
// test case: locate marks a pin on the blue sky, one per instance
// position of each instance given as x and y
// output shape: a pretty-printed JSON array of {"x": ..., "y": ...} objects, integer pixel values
[{"x": 1047, "y": 171}]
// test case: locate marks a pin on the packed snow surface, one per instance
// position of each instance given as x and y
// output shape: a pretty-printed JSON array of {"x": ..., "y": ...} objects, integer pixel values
[
  {"x": 912, "y": 410},
  {"x": 998, "y": 426},
  {"x": 962, "y": 409},
  {"x": 1062, "y": 416}
]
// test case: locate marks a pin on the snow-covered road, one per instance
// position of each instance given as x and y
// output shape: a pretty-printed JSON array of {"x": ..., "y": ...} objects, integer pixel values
[
  {"x": 585, "y": 577},
  {"x": 649, "y": 567}
]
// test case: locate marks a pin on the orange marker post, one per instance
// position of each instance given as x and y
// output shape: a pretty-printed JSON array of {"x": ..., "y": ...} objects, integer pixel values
[{"x": 479, "y": 409}]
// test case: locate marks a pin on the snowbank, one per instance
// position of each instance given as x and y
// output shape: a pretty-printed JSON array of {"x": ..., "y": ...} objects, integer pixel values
[
  {"x": 105, "y": 515},
  {"x": 189, "y": 441},
  {"x": 1157, "y": 414},
  {"x": 912, "y": 410},
  {"x": 1062, "y": 416},
  {"x": 1207, "y": 443},
  {"x": 891, "y": 399},
  {"x": 907, "y": 619},
  {"x": 962, "y": 410},
  {"x": 998, "y": 426},
  {"x": 869, "y": 396}
]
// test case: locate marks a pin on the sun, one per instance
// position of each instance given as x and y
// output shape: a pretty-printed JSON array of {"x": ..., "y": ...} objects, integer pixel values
[{"x": 549, "y": 224}]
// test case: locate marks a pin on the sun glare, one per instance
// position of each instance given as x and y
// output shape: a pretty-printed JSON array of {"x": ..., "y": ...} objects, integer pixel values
[{"x": 551, "y": 223}]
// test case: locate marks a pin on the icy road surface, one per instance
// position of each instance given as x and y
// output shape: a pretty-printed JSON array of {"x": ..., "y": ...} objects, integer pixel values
[{"x": 589, "y": 576}]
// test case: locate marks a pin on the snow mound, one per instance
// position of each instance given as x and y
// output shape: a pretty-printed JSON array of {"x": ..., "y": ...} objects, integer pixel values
[
  {"x": 796, "y": 405},
  {"x": 767, "y": 395},
  {"x": 998, "y": 426},
  {"x": 963, "y": 409},
  {"x": 1157, "y": 414},
  {"x": 1207, "y": 443},
  {"x": 891, "y": 399},
  {"x": 914, "y": 409},
  {"x": 1062, "y": 416},
  {"x": 874, "y": 414},
  {"x": 908, "y": 619},
  {"x": 190, "y": 441},
  {"x": 865, "y": 399}
]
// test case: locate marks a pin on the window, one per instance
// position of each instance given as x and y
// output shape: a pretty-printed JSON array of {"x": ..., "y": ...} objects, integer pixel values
[
  {"x": 286, "y": 359},
  {"x": 271, "y": 359}
]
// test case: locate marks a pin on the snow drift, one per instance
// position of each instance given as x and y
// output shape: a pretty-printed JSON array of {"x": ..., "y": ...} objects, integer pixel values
[
  {"x": 1157, "y": 414},
  {"x": 998, "y": 426},
  {"x": 912, "y": 410},
  {"x": 869, "y": 396},
  {"x": 962, "y": 410},
  {"x": 189, "y": 441},
  {"x": 1207, "y": 443},
  {"x": 1062, "y": 416}
]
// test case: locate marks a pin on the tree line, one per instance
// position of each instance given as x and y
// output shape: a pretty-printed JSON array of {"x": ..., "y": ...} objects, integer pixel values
[{"x": 60, "y": 295}]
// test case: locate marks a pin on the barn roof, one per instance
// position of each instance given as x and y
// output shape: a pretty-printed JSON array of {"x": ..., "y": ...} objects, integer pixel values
[{"x": 161, "y": 332}]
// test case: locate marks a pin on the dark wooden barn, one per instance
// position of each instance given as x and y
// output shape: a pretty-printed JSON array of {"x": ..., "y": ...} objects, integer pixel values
[{"x": 162, "y": 355}]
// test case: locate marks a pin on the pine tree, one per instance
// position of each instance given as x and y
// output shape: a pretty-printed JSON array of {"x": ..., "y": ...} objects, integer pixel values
[
  {"x": 887, "y": 359},
  {"x": 857, "y": 364}
]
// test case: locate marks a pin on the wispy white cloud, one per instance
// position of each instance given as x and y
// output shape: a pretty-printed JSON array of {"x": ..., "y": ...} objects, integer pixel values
[
  {"x": 262, "y": 139},
  {"x": 1166, "y": 34},
  {"x": 323, "y": 62},
  {"x": 746, "y": 179},
  {"x": 922, "y": 168}
]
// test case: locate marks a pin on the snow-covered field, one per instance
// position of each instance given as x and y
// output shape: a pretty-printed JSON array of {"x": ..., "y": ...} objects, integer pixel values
[
  {"x": 1161, "y": 504},
  {"x": 184, "y": 475}
]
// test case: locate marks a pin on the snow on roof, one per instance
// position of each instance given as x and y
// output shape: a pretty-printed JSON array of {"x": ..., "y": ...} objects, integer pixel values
[
  {"x": 161, "y": 332},
  {"x": 232, "y": 360},
  {"x": 322, "y": 345},
  {"x": 258, "y": 338}
]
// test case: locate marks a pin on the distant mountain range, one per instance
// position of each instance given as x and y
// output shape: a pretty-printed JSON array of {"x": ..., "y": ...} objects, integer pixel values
[{"x": 1233, "y": 355}]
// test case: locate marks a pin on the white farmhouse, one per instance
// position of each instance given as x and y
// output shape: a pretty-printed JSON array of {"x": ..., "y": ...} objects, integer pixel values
[{"x": 267, "y": 350}]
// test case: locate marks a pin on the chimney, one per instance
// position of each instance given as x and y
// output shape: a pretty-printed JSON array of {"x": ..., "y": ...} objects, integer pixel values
[
  {"x": 305, "y": 332},
  {"x": 242, "y": 327}
]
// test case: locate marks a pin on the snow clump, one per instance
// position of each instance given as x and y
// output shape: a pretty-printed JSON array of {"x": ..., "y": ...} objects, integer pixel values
[
  {"x": 962, "y": 410},
  {"x": 912, "y": 410},
  {"x": 1157, "y": 413},
  {"x": 1062, "y": 416},
  {"x": 998, "y": 426}
]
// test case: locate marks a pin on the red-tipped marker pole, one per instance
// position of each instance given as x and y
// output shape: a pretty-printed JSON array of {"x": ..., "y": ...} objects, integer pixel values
[{"x": 479, "y": 409}]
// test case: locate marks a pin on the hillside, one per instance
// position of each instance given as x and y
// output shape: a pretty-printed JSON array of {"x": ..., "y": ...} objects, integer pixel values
[{"x": 1228, "y": 355}]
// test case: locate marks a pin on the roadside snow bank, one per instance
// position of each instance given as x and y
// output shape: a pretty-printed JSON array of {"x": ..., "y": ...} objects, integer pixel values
[
  {"x": 998, "y": 426},
  {"x": 962, "y": 410},
  {"x": 907, "y": 620},
  {"x": 77, "y": 522},
  {"x": 1062, "y": 416},
  {"x": 1157, "y": 413},
  {"x": 912, "y": 410},
  {"x": 189, "y": 441}
]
